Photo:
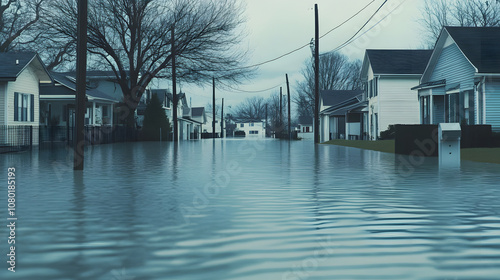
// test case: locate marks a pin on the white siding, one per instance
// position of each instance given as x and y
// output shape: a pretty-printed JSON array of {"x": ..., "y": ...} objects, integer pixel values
[
  {"x": 493, "y": 104},
  {"x": 3, "y": 103},
  {"x": 454, "y": 67},
  {"x": 398, "y": 104},
  {"x": 27, "y": 82}
]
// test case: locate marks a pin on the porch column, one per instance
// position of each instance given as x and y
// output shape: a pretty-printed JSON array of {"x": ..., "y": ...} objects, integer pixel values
[
  {"x": 431, "y": 107},
  {"x": 92, "y": 115}
]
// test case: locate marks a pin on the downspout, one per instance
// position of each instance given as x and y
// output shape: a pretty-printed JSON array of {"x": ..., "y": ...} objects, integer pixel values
[
  {"x": 484, "y": 100},
  {"x": 379, "y": 103}
]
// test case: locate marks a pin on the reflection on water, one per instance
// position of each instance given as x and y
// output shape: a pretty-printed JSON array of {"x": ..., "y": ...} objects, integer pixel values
[{"x": 237, "y": 209}]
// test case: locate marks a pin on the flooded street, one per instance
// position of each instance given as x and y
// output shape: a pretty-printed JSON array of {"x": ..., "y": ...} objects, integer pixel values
[{"x": 240, "y": 209}]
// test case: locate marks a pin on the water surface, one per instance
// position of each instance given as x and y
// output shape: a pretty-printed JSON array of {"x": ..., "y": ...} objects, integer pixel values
[{"x": 237, "y": 209}]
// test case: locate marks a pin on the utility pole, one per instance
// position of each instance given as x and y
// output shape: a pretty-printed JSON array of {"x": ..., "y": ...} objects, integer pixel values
[
  {"x": 266, "y": 121},
  {"x": 289, "y": 116},
  {"x": 281, "y": 113},
  {"x": 174, "y": 89},
  {"x": 81, "y": 85},
  {"x": 316, "y": 76},
  {"x": 222, "y": 120},
  {"x": 213, "y": 108}
]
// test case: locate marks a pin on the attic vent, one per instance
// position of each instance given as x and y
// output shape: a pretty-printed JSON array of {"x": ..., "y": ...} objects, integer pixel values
[{"x": 17, "y": 61}]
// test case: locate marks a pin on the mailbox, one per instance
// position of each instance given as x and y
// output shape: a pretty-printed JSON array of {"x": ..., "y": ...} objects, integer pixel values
[{"x": 449, "y": 144}]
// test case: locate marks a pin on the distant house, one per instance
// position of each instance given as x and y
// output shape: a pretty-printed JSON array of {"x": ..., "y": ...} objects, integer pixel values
[
  {"x": 189, "y": 126},
  {"x": 163, "y": 97},
  {"x": 57, "y": 103},
  {"x": 21, "y": 74},
  {"x": 305, "y": 129},
  {"x": 342, "y": 115},
  {"x": 207, "y": 128},
  {"x": 252, "y": 128},
  {"x": 461, "y": 82},
  {"x": 388, "y": 76}
]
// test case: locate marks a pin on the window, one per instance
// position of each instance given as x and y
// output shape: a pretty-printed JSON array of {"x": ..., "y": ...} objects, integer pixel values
[
  {"x": 307, "y": 129},
  {"x": 242, "y": 125},
  {"x": 104, "y": 111},
  {"x": 251, "y": 124},
  {"x": 426, "y": 110},
  {"x": 254, "y": 132},
  {"x": 24, "y": 109}
]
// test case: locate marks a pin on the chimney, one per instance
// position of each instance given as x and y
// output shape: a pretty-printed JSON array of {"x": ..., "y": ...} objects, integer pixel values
[{"x": 17, "y": 61}]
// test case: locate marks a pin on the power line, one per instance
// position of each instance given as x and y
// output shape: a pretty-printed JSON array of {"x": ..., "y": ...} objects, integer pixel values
[
  {"x": 249, "y": 91},
  {"x": 301, "y": 47},
  {"x": 357, "y": 32},
  {"x": 336, "y": 27},
  {"x": 361, "y": 35}
]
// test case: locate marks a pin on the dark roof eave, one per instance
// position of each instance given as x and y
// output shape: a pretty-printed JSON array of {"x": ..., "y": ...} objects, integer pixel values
[{"x": 430, "y": 85}]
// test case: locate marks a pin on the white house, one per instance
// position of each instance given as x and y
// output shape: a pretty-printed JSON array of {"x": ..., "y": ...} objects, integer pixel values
[
  {"x": 207, "y": 128},
  {"x": 305, "y": 127},
  {"x": 388, "y": 76},
  {"x": 342, "y": 115},
  {"x": 251, "y": 128},
  {"x": 57, "y": 103},
  {"x": 461, "y": 82},
  {"x": 21, "y": 74}
]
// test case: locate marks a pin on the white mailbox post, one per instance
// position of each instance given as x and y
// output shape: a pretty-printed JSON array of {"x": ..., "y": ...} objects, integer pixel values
[{"x": 449, "y": 144}]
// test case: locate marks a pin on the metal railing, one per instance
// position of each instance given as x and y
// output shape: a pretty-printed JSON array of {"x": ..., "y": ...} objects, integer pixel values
[{"x": 17, "y": 138}]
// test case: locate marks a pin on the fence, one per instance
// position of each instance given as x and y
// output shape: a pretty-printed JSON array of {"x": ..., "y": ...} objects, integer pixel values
[
  {"x": 20, "y": 138},
  {"x": 17, "y": 138},
  {"x": 94, "y": 135}
]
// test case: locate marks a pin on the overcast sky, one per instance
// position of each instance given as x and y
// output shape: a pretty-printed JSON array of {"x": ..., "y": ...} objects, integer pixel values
[{"x": 275, "y": 27}]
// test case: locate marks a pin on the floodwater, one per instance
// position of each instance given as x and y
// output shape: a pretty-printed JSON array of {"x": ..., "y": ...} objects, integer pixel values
[{"x": 241, "y": 209}]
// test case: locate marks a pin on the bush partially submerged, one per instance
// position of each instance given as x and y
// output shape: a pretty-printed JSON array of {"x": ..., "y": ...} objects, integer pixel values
[{"x": 154, "y": 120}]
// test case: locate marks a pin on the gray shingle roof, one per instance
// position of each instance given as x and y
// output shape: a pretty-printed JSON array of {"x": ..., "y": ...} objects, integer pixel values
[
  {"x": 398, "y": 61},
  {"x": 197, "y": 111},
  {"x": 481, "y": 45},
  {"x": 9, "y": 69},
  {"x": 334, "y": 97},
  {"x": 69, "y": 88},
  {"x": 305, "y": 120}
]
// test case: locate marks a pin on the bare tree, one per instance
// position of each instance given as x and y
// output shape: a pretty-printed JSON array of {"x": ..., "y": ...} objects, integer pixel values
[
  {"x": 336, "y": 72},
  {"x": 252, "y": 108},
  {"x": 475, "y": 13},
  {"x": 18, "y": 18},
  {"x": 277, "y": 121},
  {"x": 133, "y": 39}
]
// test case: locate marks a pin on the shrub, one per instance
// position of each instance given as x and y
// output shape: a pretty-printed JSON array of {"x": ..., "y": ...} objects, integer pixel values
[
  {"x": 388, "y": 134},
  {"x": 154, "y": 119}
]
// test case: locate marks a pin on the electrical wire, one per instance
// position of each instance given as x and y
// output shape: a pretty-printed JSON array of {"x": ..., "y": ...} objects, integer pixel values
[
  {"x": 338, "y": 26},
  {"x": 361, "y": 35},
  {"x": 249, "y": 91},
  {"x": 357, "y": 32},
  {"x": 303, "y": 46}
]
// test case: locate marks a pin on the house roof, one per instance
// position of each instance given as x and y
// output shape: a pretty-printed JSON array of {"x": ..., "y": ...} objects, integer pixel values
[
  {"x": 305, "y": 120},
  {"x": 197, "y": 111},
  {"x": 356, "y": 107},
  {"x": 12, "y": 64},
  {"x": 335, "y": 97},
  {"x": 160, "y": 93},
  {"x": 67, "y": 86},
  {"x": 480, "y": 45},
  {"x": 398, "y": 62}
]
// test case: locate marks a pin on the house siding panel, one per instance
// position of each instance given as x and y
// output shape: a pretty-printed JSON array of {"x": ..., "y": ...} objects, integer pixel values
[
  {"x": 438, "y": 110},
  {"x": 493, "y": 104},
  {"x": 28, "y": 83},
  {"x": 398, "y": 103},
  {"x": 2, "y": 103},
  {"x": 455, "y": 68}
]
